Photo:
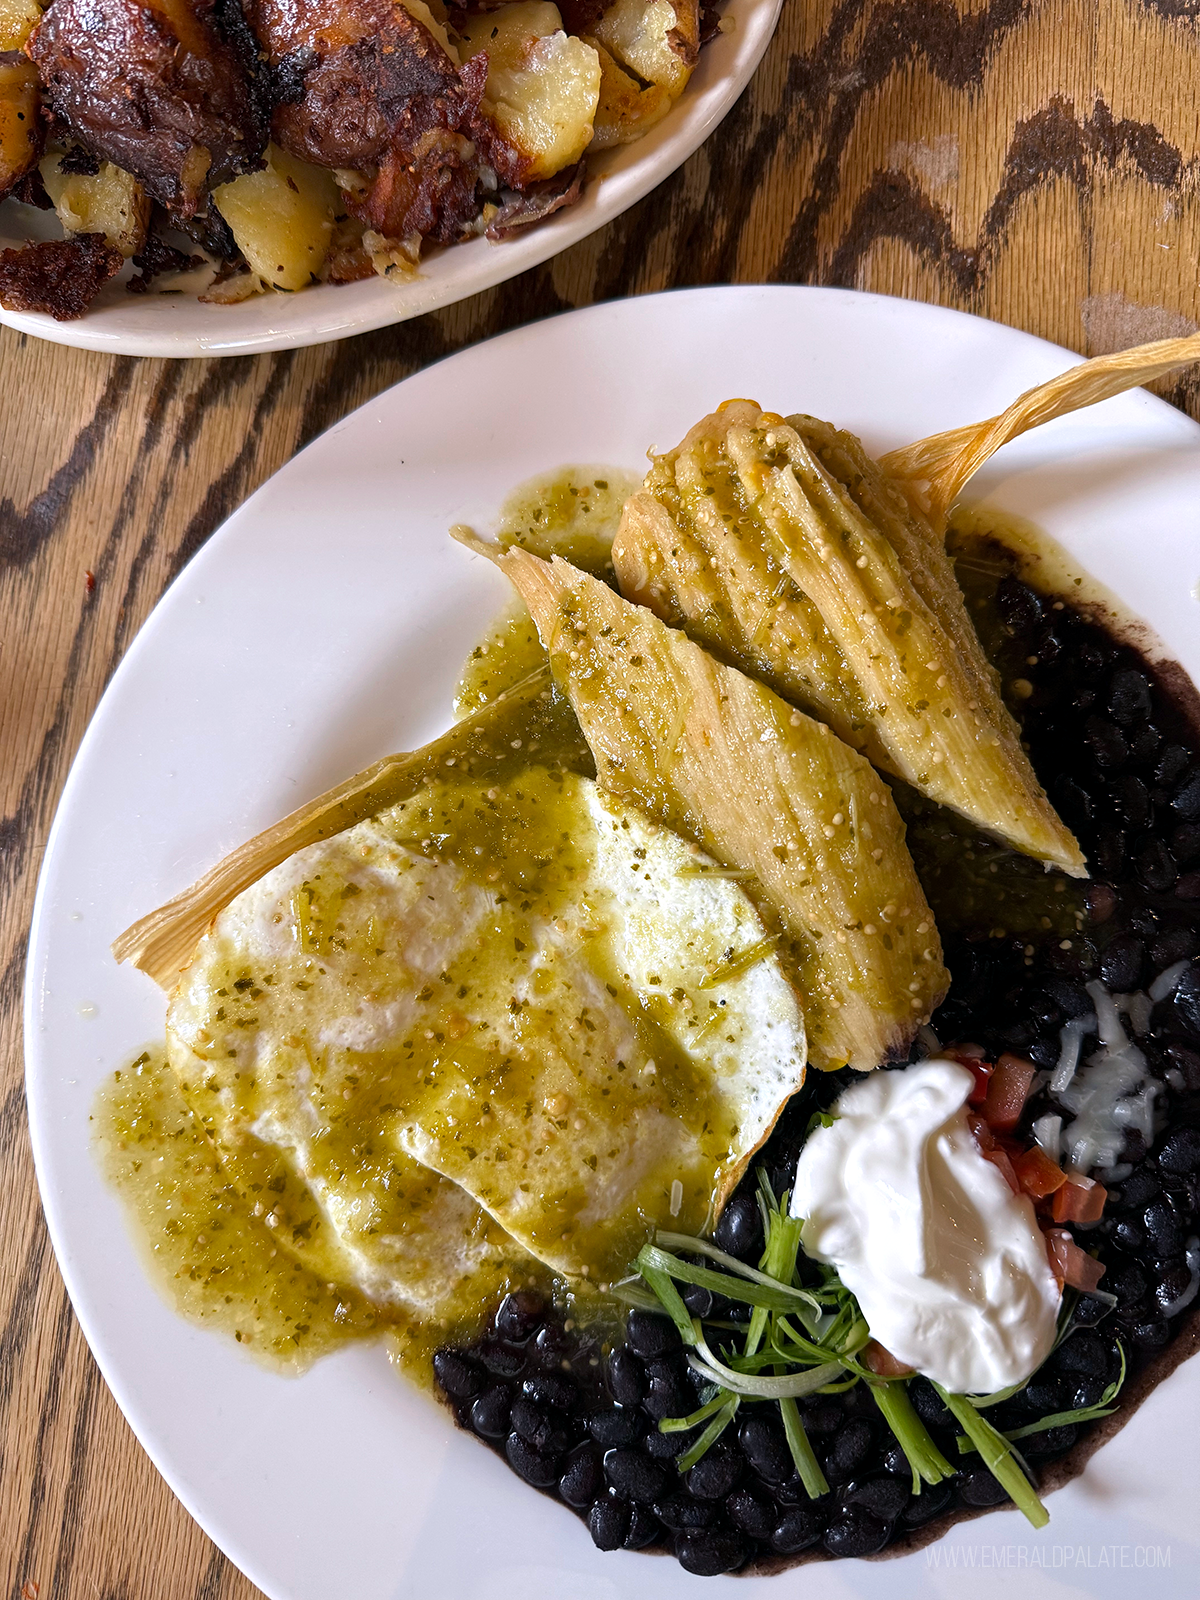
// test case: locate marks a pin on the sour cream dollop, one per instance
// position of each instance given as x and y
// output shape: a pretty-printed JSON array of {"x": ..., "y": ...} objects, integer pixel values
[{"x": 948, "y": 1265}]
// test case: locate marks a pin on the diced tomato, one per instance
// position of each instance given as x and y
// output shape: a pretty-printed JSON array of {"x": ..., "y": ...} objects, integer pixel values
[
  {"x": 1070, "y": 1264},
  {"x": 1007, "y": 1092},
  {"x": 999, "y": 1158},
  {"x": 883, "y": 1363},
  {"x": 1079, "y": 1200},
  {"x": 1037, "y": 1174},
  {"x": 971, "y": 1056},
  {"x": 984, "y": 1137}
]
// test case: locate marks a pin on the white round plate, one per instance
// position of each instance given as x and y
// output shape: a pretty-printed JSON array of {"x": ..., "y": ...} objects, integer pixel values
[
  {"x": 323, "y": 626},
  {"x": 178, "y": 325}
]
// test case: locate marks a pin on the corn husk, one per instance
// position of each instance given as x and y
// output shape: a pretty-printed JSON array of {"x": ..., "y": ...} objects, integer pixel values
[
  {"x": 162, "y": 944},
  {"x": 933, "y": 471},
  {"x": 763, "y": 788},
  {"x": 804, "y": 566}
]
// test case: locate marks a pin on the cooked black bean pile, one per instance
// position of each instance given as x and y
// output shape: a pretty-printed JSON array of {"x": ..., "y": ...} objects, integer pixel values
[{"x": 581, "y": 1422}]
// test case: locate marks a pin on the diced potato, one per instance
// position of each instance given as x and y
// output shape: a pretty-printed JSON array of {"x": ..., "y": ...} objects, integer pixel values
[
  {"x": 19, "y": 129},
  {"x": 626, "y": 111},
  {"x": 543, "y": 86},
  {"x": 111, "y": 202},
  {"x": 17, "y": 20},
  {"x": 659, "y": 42},
  {"x": 282, "y": 218}
]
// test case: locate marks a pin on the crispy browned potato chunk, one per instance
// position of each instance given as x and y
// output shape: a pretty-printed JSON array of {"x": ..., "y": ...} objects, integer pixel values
[
  {"x": 58, "y": 276},
  {"x": 372, "y": 83},
  {"x": 20, "y": 126},
  {"x": 164, "y": 89}
]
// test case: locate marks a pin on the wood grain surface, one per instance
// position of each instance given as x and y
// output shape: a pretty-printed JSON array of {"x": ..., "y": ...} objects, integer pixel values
[{"x": 1035, "y": 161}]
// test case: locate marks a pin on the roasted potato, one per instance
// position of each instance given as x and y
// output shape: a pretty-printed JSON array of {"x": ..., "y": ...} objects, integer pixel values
[
  {"x": 111, "y": 202},
  {"x": 659, "y": 41},
  {"x": 282, "y": 218},
  {"x": 20, "y": 127},
  {"x": 17, "y": 21},
  {"x": 626, "y": 110},
  {"x": 168, "y": 91},
  {"x": 542, "y": 85}
]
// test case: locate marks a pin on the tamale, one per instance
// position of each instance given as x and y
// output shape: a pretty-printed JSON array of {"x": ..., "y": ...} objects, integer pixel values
[
  {"x": 761, "y": 787},
  {"x": 834, "y": 593}
]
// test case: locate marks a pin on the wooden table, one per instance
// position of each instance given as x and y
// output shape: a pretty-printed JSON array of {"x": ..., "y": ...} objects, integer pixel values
[{"x": 1035, "y": 161}]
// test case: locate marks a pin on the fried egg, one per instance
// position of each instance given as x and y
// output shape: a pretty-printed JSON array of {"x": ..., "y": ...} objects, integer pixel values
[{"x": 491, "y": 1020}]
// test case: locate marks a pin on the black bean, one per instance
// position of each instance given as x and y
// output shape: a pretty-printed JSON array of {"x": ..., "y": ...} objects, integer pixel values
[
  {"x": 931, "y": 1502},
  {"x": 541, "y": 1471},
  {"x": 626, "y": 1377},
  {"x": 490, "y": 1412},
  {"x": 716, "y": 1472},
  {"x": 798, "y": 1528},
  {"x": 583, "y": 1480},
  {"x": 1163, "y": 1229},
  {"x": 1172, "y": 765},
  {"x": 751, "y": 1514},
  {"x": 545, "y": 1435},
  {"x": 668, "y": 1397},
  {"x": 1151, "y": 1334},
  {"x": 885, "y": 1498},
  {"x": 1137, "y": 1192},
  {"x": 1155, "y": 867},
  {"x": 1187, "y": 998},
  {"x": 649, "y": 1335},
  {"x": 550, "y": 1347},
  {"x": 1180, "y": 1153},
  {"x": 612, "y": 1428},
  {"x": 1185, "y": 844},
  {"x": 458, "y": 1374},
  {"x": 1171, "y": 1283},
  {"x": 1176, "y": 944},
  {"x": 896, "y": 1462},
  {"x": 1084, "y": 1353},
  {"x": 1188, "y": 886},
  {"x": 1186, "y": 800},
  {"x": 608, "y": 1522},
  {"x": 644, "y": 1529},
  {"x": 553, "y": 1390},
  {"x": 634, "y": 1475},
  {"x": 740, "y": 1231},
  {"x": 1089, "y": 1310},
  {"x": 519, "y": 1315},
  {"x": 1129, "y": 696},
  {"x": 825, "y": 1416},
  {"x": 502, "y": 1360},
  {"x": 1087, "y": 1392},
  {"x": 666, "y": 1446},
  {"x": 1042, "y": 1394},
  {"x": 1122, "y": 963},
  {"x": 928, "y": 1405},
  {"x": 856, "y": 1533},
  {"x": 979, "y": 1488},
  {"x": 1127, "y": 1235},
  {"x": 1127, "y": 1281},
  {"x": 766, "y": 1447},
  {"x": 682, "y": 1513},
  {"x": 1133, "y": 801},
  {"x": 708, "y": 1554},
  {"x": 698, "y": 1300},
  {"x": 850, "y": 1448},
  {"x": 1051, "y": 1441},
  {"x": 1107, "y": 743}
]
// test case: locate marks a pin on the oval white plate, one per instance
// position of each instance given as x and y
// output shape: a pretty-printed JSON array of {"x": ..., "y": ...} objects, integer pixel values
[
  {"x": 324, "y": 625},
  {"x": 178, "y": 325}
]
